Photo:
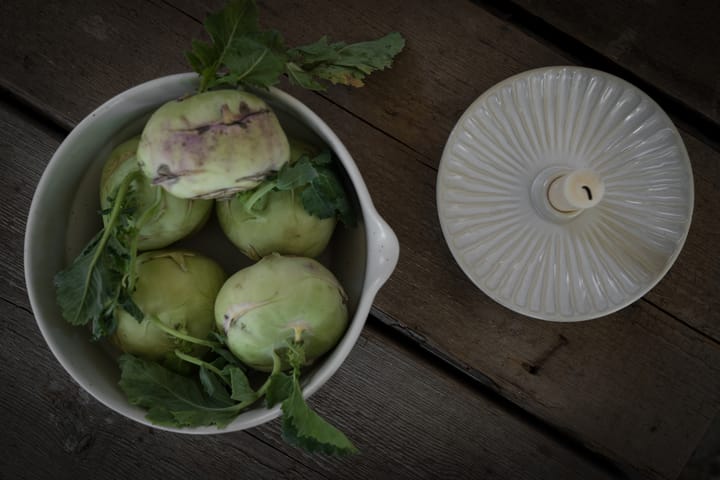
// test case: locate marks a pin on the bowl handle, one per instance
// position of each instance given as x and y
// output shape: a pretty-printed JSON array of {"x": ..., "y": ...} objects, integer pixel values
[{"x": 383, "y": 251}]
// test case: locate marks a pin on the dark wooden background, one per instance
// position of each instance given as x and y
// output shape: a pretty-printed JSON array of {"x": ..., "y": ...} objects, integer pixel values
[{"x": 444, "y": 383}]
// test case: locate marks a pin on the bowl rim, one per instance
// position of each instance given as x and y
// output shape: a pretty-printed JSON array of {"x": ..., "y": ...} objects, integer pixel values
[{"x": 382, "y": 248}]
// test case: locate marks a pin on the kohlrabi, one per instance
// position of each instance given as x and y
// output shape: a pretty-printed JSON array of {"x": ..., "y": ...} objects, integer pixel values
[
  {"x": 281, "y": 313},
  {"x": 175, "y": 290},
  {"x": 279, "y": 302},
  {"x": 162, "y": 218},
  {"x": 267, "y": 220},
  {"x": 212, "y": 144}
]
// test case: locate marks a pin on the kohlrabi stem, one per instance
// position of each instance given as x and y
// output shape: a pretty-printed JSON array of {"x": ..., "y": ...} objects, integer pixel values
[
  {"x": 146, "y": 215},
  {"x": 261, "y": 191},
  {"x": 277, "y": 368},
  {"x": 107, "y": 231},
  {"x": 180, "y": 335},
  {"x": 200, "y": 363}
]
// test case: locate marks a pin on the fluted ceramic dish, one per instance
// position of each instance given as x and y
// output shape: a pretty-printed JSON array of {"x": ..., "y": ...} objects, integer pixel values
[{"x": 493, "y": 205}]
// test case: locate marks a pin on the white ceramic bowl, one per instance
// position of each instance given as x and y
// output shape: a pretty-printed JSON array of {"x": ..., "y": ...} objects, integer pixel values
[{"x": 66, "y": 200}]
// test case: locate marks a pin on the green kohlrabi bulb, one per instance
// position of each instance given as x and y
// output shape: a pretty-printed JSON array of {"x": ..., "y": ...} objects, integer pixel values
[
  {"x": 212, "y": 144},
  {"x": 277, "y": 223},
  {"x": 280, "y": 300},
  {"x": 172, "y": 218},
  {"x": 177, "y": 288}
]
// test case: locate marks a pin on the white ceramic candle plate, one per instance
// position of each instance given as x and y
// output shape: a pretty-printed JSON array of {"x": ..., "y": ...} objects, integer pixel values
[{"x": 492, "y": 193}]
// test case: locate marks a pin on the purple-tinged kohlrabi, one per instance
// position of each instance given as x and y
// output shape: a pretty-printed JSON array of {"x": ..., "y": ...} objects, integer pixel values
[
  {"x": 176, "y": 290},
  {"x": 212, "y": 144},
  {"x": 162, "y": 218},
  {"x": 276, "y": 303}
]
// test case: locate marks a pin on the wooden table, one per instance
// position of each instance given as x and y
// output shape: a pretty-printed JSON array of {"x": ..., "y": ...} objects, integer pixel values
[{"x": 444, "y": 382}]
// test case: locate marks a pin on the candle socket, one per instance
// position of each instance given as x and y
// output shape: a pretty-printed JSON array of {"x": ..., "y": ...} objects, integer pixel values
[{"x": 575, "y": 191}]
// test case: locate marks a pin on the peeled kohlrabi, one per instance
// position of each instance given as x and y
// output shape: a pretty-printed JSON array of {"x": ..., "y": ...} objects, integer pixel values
[
  {"x": 176, "y": 290},
  {"x": 170, "y": 218},
  {"x": 276, "y": 223},
  {"x": 265, "y": 308},
  {"x": 212, "y": 144}
]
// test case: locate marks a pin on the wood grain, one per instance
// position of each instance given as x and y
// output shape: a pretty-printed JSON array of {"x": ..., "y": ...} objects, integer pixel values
[
  {"x": 425, "y": 426},
  {"x": 638, "y": 386},
  {"x": 409, "y": 418},
  {"x": 671, "y": 44}
]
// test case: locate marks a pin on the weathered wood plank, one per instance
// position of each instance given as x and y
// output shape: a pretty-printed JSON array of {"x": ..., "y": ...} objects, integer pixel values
[
  {"x": 80, "y": 38},
  {"x": 23, "y": 155},
  {"x": 637, "y": 386},
  {"x": 409, "y": 418},
  {"x": 671, "y": 44}
]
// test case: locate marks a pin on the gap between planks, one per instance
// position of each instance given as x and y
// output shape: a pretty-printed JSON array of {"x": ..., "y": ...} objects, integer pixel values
[{"x": 692, "y": 121}]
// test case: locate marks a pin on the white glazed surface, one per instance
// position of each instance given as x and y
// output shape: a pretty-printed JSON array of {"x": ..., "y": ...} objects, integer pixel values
[
  {"x": 556, "y": 120},
  {"x": 66, "y": 201}
]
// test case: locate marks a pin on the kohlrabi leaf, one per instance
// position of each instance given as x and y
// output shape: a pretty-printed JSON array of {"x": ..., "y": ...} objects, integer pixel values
[
  {"x": 319, "y": 187},
  {"x": 301, "y": 77},
  {"x": 170, "y": 398},
  {"x": 296, "y": 175},
  {"x": 278, "y": 389},
  {"x": 224, "y": 27},
  {"x": 304, "y": 428},
  {"x": 325, "y": 197},
  {"x": 227, "y": 356},
  {"x": 340, "y": 63},
  {"x": 95, "y": 284},
  {"x": 80, "y": 286},
  {"x": 239, "y": 53},
  {"x": 213, "y": 386},
  {"x": 256, "y": 59},
  {"x": 240, "y": 386}
]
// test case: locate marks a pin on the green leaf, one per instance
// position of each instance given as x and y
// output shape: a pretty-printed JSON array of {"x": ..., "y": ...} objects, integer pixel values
[
  {"x": 319, "y": 187},
  {"x": 94, "y": 285},
  {"x": 368, "y": 57},
  {"x": 296, "y": 175},
  {"x": 131, "y": 307},
  {"x": 79, "y": 287},
  {"x": 301, "y": 426},
  {"x": 278, "y": 389},
  {"x": 237, "y": 17},
  {"x": 302, "y": 78},
  {"x": 340, "y": 63},
  {"x": 170, "y": 398},
  {"x": 325, "y": 197},
  {"x": 227, "y": 357},
  {"x": 256, "y": 59},
  {"x": 304, "y": 428},
  {"x": 239, "y": 53},
  {"x": 224, "y": 27},
  {"x": 213, "y": 386},
  {"x": 241, "y": 389},
  {"x": 323, "y": 158}
]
